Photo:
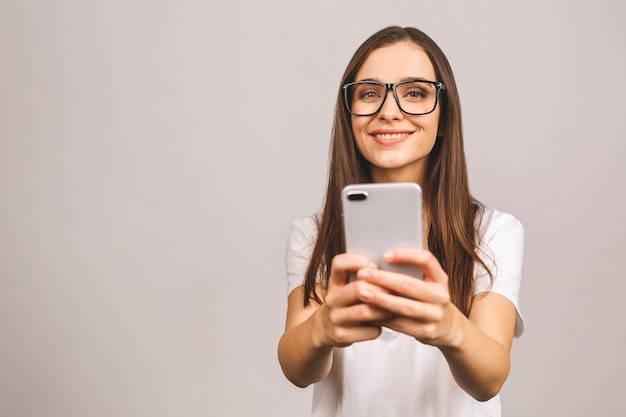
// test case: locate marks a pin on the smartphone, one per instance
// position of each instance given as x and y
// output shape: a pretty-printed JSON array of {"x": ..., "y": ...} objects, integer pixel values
[{"x": 380, "y": 217}]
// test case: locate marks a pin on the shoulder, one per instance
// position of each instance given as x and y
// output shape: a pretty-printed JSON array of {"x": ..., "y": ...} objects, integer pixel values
[
  {"x": 492, "y": 218},
  {"x": 300, "y": 243},
  {"x": 304, "y": 230},
  {"x": 496, "y": 226}
]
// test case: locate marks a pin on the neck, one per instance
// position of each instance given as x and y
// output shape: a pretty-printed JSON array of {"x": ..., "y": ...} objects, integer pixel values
[{"x": 397, "y": 175}]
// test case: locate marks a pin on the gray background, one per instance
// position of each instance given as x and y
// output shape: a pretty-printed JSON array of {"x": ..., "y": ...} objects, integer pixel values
[{"x": 154, "y": 153}]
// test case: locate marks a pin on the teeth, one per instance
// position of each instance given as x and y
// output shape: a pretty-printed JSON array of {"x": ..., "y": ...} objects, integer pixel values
[{"x": 390, "y": 135}]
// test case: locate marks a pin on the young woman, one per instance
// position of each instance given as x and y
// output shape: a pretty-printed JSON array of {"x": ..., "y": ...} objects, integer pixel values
[{"x": 389, "y": 344}]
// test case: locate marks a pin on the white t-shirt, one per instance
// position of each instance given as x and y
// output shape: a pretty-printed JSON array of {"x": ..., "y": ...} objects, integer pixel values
[{"x": 395, "y": 375}]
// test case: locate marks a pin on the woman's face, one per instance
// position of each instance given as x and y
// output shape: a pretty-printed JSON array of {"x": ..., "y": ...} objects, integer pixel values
[{"x": 396, "y": 144}]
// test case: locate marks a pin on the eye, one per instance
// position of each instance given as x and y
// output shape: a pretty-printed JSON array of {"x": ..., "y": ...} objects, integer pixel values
[
  {"x": 367, "y": 92},
  {"x": 416, "y": 94},
  {"x": 415, "y": 91}
]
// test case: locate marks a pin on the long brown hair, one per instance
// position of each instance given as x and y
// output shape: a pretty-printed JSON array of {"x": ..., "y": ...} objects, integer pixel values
[{"x": 452, "y": 213}]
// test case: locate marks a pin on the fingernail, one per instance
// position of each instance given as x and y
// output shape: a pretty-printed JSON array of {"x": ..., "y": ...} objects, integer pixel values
[
  {"x": 388, "y": 256},
  {"x": 366, "y": 295},
  {"x": 365, "y": 273}
]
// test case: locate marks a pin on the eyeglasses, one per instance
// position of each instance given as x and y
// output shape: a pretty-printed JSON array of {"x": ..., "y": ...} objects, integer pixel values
[{"x": 414, "y": 97}]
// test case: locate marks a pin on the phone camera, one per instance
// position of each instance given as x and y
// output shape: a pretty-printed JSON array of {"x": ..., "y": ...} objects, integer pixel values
[{"x": 357, "y": 195}]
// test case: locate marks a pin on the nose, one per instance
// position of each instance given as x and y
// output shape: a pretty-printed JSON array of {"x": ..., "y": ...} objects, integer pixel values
[{"x": 390, "y": 109}]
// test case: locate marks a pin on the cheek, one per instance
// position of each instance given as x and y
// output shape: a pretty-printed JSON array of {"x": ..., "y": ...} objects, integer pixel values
[
  {"x": 359, "y": 124},
  {"x": 359, "y": 131},
  {"x": 431, "y": 125}
]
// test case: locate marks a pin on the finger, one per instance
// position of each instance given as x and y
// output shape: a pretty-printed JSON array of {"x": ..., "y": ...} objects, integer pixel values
[
  {"x": 358, "y": 315},
  {"x": 424, "y": 332},
  {"x": 344, "y": 263},
  {"x": 345, "y": 336},
  {"x": 404, "y": 285},
  {"x": 415, "y": 311},
  {"x": 349, "y": 294},
  {"x": 431, "y": 268}
]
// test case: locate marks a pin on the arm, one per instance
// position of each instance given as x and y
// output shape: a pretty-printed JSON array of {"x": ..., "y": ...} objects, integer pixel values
[
  {"x": 303, "y": 358},
  {"x": 312, "y": 332},
  {"x": 480, "y": 359},
  {"x": 476, "y": 348}
]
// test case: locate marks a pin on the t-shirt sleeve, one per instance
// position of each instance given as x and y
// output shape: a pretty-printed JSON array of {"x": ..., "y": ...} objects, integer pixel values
[
  {"x": 502, "y": 249},
  {"x": 300, "y": 243}
]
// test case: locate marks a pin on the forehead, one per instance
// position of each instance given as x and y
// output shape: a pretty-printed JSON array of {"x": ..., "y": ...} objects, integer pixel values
[{"x": 396, "y": 62}]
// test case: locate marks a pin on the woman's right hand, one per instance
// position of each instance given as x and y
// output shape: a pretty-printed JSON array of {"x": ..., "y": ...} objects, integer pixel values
[
  {"x": 313, "y": 331},
  {"x": 343, "y": 319}
]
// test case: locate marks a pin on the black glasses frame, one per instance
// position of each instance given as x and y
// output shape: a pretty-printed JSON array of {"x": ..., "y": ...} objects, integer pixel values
[{"x": 438, "y": 85}]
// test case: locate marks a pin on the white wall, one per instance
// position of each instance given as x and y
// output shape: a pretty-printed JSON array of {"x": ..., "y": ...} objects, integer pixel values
[{"x": 154, "y": 154}]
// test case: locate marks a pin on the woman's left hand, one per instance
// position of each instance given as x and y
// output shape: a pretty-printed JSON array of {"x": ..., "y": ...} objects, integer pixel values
[
  {"x": 475, "y": 347},
  {"x": 421, "y": 308}
]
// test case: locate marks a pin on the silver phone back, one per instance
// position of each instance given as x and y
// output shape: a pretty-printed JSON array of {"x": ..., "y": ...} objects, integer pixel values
[{"x": 380, "y": 217}]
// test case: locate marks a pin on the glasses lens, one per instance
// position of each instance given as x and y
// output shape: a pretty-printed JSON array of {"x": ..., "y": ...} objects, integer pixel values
[
  {"x": 365, "y": 98},
  {"x": 417, "y": 97}
]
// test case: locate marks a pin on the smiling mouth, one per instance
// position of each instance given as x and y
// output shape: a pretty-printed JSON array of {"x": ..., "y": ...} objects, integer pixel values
[{"x": 391, "y": 136}]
